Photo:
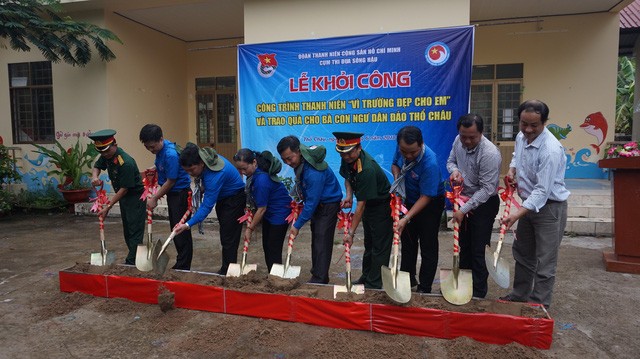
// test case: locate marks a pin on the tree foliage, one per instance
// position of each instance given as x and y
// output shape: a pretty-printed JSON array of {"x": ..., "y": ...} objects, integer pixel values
[
  {"x": 624, "y": 94},
  {"x": 37, "y": 22}
]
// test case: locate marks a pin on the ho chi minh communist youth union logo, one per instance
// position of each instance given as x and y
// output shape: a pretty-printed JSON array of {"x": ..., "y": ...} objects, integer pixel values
[
  {"x": 437, "y": 53},
  {"x": 267, "y": 65}
]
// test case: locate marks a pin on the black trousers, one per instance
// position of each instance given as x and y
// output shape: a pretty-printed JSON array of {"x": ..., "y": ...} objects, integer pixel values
[
  {"x": 378, "y": 237},
  {"x": 228, "y": 211},
  {"x": 177, "y": 203},
  {"x": 133, "y": 212},
  {"x": 474, "y": 235},
  {"x": 323, "y": 229},
  {"x": 422, "y": 233},
  {"x": 273, "y": 236}
]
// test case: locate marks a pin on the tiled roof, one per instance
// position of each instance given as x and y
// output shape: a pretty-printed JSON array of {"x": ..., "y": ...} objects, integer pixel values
[{"x": 630, "y": 16}]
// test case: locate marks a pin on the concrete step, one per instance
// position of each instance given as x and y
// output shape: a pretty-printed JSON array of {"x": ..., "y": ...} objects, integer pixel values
[{"x": 160, "y": 212}]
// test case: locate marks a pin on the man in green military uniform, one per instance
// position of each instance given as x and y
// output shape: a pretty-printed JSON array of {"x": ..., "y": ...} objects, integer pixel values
[
  {"x": 364, "y": 178},
  {"x": 127, "y": 184}
]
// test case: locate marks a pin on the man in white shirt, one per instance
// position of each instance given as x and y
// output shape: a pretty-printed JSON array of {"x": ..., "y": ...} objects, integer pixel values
[{"x": 539, "y": 162}]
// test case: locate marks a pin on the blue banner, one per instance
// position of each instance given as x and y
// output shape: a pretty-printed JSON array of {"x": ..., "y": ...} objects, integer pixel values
[{"x": 374, "y": 84}]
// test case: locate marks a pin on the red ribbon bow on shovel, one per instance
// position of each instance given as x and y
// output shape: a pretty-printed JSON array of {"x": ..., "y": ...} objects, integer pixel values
[
  {"x": 150, "y": 182},
  {"x": 296, "y": 208}
]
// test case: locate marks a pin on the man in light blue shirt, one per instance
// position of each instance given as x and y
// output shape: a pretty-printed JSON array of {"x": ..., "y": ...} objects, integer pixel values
[{"x": 539, "y": 162}]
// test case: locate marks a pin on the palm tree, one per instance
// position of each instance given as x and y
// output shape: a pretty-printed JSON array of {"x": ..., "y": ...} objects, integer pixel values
[
  {"x": 624, "y": 95},
  {"x": 58, "y": 38}
]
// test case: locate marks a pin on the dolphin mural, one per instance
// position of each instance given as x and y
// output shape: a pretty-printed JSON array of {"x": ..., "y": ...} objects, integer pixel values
[
  {"x": 596, "y": 125},
  {"x": 41, "y": 160}
]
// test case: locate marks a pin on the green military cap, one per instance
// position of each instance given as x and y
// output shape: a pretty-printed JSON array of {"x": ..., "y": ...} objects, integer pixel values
[
  {"x": 346, "y": 141},
  {"x": 103, "y": 139}
]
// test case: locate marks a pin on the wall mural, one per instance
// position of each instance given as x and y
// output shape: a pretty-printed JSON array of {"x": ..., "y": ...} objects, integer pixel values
[
  {"x": 35, "y": 167},
  {"x": 583, "y": 162}
]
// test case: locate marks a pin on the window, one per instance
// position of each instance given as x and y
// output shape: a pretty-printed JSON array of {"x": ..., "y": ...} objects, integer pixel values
[
  {"x": 31, "y": 96},
  {"x": 496, "y": 93},
  {"x": 216, "y": 110}
]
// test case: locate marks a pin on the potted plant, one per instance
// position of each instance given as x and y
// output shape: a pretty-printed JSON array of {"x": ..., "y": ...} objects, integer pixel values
[
  {"x": 73, "y": 166},
  {"x": 624, "y": 162},
  {"x": 8, "y": 174}
]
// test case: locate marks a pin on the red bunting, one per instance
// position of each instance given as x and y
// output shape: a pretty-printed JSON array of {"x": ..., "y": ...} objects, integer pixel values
[
  {"x": 296, "y": 208},
  {"x": 506, "y": 192},
  {"x": 247, "y": 217},
  {"x": 150, "y": 182}
]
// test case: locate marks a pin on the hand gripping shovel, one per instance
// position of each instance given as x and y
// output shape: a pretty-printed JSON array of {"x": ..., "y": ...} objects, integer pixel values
[
  {"x": 161, "y": 257},
  {"x": 395, "y": 283},
  {"x": 345, "y": 224},
  {"x": 286, "y": 271},
  {"x": 104, "y": 257},
  {"x": 144, "y": 252},
  {"x": 456, "y": 285},
  {"x": 497, "y": 267},
  {"x": 235, "y": 269}
]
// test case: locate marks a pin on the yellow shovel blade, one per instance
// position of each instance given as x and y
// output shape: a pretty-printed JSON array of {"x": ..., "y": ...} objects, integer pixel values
[
  {"x": 236, "y": 270},
  {"x": 355, "y": 289},
  {"x": 500, "y": 271},
  {"x": 396, "y": 284},
  {"x": 98, "y": 260},
  {"x": 279, "y": 270},
  {"x": 144, "y": 263},
  {"x": 457, "y": 291}
]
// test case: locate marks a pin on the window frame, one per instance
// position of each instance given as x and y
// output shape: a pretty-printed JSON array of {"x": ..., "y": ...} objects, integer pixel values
[{"x": 37, "y": 95}]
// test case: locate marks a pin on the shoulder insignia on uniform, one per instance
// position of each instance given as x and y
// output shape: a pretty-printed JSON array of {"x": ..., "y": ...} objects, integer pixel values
[
  {"x": 120, "y": 160},
  {"x": 359, "y": 165}
]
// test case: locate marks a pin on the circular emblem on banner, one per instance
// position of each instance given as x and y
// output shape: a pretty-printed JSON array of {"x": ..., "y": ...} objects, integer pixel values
[
  {"x": 267, "y": 65},
  {"x": 266, "y": 71},
  {"x": 437, "y": 53}
]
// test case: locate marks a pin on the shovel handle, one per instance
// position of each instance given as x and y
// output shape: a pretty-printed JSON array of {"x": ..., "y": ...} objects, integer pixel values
[
  {"x": 456, "y": 231},
  {"x": 347, "y": 257},
  {"x": 149, "y": 219},
  {"x": 292, "y": 237},
  {"x": 245, "y": 246}
]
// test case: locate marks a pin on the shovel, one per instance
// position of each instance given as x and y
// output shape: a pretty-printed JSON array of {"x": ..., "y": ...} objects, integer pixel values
[
  {"x": 235, "y": 269},
  {"x": 104, "y": 258},
  {"x": 286, "y": 271},
  {"x": 144, "y": 258},
  {"x": 497, "y": 267},
  {"x": 348, "y": 288},
  {"x": 396, "y": 283},
  {"x": 456, "y": 285},
  {"x": 161, "y": 257}
]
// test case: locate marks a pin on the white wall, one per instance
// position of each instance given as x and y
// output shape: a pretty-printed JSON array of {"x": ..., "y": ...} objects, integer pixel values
[
  {"x": 570, "y": 63},
  {"x": 281, "y": 20}
]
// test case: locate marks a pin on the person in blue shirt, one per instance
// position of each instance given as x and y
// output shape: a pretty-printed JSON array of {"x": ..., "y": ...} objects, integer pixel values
[
  {"x": 318, "y": 187},
  {"x": 268, "y": 198},
  {"x": 175, "y": 183},
  {"x": 223, "y": 188},
  {"x": 418, "y": 181}
]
